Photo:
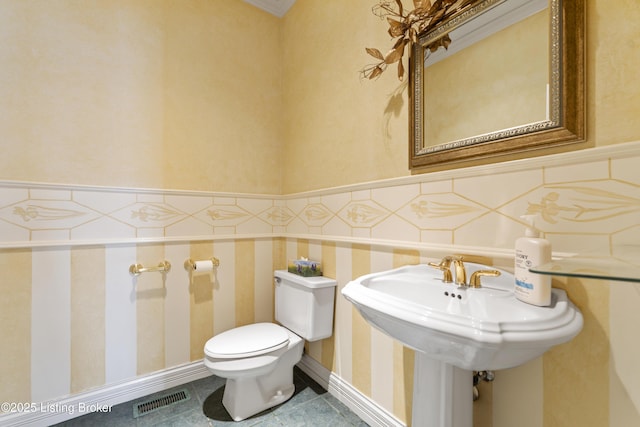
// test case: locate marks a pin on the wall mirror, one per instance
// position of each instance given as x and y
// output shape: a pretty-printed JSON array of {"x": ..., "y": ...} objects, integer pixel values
[{"x": 511, "y": 81}]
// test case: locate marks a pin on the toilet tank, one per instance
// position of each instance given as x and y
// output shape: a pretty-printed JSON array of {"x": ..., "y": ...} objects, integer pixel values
[{"x": 304, "y": 305}]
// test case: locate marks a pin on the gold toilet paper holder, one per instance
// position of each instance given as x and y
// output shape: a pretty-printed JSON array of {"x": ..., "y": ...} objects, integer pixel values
[{"x": 190, "y": 265}]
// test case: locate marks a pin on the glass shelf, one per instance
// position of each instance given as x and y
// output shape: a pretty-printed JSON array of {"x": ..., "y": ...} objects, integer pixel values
[{"x": 623, "y": 265}]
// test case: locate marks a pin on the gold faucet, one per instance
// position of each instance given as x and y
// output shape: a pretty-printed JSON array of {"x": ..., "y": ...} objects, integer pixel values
[
  {"x": 445, "y": 267},
  {"x": 461, "y": 274}
]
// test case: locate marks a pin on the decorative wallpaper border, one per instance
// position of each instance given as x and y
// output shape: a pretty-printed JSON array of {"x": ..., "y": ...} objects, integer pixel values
[
  {"x": 52, "y": 214},
  {"x": 589, "y": 198}
]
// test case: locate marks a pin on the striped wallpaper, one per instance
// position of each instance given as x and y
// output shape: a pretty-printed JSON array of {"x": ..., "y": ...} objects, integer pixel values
[
  {"x": 85, "y": 321},
  {"x": 72, "y": 318}
]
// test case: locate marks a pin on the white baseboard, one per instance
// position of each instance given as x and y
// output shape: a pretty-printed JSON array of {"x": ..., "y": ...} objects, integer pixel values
[
  {"x": 60, "y": 410},
  {"x": 369, "y": 411}
]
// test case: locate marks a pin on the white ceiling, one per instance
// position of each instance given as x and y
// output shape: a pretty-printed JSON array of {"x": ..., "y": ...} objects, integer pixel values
[{"x": 275, "y": 7}]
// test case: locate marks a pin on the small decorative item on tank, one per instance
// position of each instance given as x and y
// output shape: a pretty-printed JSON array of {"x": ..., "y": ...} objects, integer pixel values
[{"x": 305, "y": 267}]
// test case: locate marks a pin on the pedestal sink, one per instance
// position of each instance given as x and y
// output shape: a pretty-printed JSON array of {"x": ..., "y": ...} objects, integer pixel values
[{"x": 456, "y": 330}]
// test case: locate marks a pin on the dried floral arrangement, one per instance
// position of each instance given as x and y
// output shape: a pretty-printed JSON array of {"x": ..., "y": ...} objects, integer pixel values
[{"x": 406, "y": 28}]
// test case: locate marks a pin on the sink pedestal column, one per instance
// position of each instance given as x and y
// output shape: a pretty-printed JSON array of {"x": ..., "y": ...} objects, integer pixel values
[{"x": 442, "y": 394}]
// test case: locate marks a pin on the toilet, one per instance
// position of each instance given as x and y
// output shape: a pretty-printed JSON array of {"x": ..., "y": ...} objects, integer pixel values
[{"x": 258, "y": 359}]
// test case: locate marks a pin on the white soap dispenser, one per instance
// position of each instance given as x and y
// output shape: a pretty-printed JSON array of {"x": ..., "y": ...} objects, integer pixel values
[{"x": 531, "y": 251}]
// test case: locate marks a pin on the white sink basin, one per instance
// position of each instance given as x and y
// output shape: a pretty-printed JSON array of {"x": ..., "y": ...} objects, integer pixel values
[{"x": 474, "y": 329}]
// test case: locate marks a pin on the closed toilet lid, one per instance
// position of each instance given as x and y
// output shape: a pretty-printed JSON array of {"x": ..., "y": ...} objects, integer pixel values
[{"x": 247, "y": 341}]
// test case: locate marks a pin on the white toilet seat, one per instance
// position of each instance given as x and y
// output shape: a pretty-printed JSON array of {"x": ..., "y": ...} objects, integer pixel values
[
  {"x": 247, "y": 341},
  {"x": 250, "y": 350}
]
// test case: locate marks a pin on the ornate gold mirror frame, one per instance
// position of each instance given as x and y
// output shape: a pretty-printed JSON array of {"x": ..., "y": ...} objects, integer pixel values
[{"x": 565, "y": 123}]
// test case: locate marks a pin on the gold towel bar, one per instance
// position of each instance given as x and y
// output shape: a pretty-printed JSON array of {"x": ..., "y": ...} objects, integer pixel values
[{"x": 138, "y": 269}]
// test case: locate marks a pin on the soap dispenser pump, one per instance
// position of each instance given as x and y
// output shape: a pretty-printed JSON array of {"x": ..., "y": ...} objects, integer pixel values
[{"x": 532, "y": 251}]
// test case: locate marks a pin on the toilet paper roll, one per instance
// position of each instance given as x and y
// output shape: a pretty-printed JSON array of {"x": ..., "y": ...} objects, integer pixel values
[{"x": 203, "y": 266}]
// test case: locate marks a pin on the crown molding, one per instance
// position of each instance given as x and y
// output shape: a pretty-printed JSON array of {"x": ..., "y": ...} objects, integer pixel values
[{"x": 276, "y": 7}]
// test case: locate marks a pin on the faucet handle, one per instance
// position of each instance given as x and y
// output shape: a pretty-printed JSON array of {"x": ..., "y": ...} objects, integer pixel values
[
  {"x": 474, "y": 281},
  {"x": 444, "y": 266}
]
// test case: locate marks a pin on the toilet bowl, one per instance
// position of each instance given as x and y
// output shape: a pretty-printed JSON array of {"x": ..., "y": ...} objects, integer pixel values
[{"x": 258, "y": 359}]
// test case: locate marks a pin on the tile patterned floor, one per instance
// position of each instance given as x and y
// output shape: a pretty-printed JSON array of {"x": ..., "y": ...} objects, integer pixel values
[{"x": 310, "y": 405}]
